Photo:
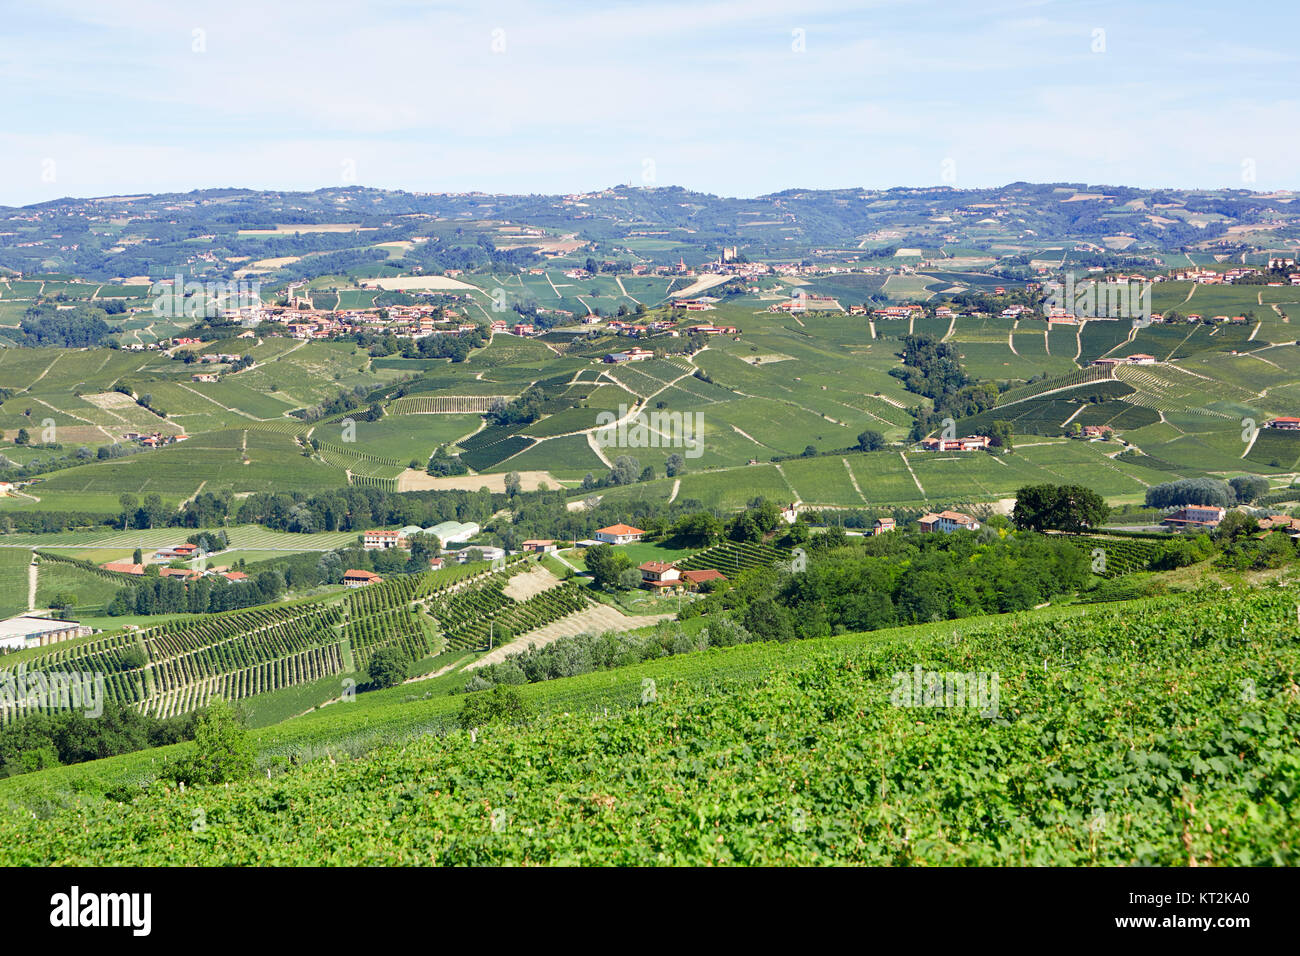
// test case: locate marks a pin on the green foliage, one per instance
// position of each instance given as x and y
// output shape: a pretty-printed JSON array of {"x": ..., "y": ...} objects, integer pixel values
[
  {"x": 502, "y": 704},
  {"x": 388, "y": 666},
  {"x": 222, "y": 750},
  {"x": 1159, "y": 733},
  {"x": 1069, "y": 508}
]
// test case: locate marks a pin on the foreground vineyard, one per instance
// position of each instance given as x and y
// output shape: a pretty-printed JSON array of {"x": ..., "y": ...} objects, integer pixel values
[{"x": 1160, "y": 732}]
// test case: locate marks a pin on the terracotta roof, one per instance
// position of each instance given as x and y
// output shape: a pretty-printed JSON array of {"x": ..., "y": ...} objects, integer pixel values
[
  {"x": 123, "y": 567},
  {"x": 656, "y": 567},
  {"x": 704, "y": 574},
  {"x": 620, "y": 529},
  {"x": 357, "y": 575}
]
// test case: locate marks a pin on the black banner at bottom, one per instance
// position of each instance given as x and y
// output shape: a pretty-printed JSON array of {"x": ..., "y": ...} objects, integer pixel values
[{"x": 308, "y": 905}]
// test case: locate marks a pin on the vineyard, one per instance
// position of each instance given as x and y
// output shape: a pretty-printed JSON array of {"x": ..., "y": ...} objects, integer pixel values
[
  {"x": 733, "y": 557},
  {"x": 1084, "y": 376},
  {"x": 180, "y": 665},
  {"x": 1160, "y": 732},
  {"x": 471, "y": 617},
  {"x": 1121, "y": 555},
  {"x": 444, "y": 404}
]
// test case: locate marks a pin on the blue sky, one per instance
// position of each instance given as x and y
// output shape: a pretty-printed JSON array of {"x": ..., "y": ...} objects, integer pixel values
[{"x": 737, "y": 97}]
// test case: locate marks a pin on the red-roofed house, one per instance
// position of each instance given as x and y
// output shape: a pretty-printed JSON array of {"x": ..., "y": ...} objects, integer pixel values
[
  {"x": 123, "y": 567},
  {"x": 382, "y": 540},
  {"x": 659, "y": 574},
  {"x": 1197, "y": 516},
  {"x": 619, "y": 534},
  {"x": 948, "y": 522},
  {"x": 356, "y": 579},
  {"x": 1287, "y": 424}
]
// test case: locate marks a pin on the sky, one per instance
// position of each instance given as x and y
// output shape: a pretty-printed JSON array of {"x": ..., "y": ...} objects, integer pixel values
[{"x": 732, "y": 97}]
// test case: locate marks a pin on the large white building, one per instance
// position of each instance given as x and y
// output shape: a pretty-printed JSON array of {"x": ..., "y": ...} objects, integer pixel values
[{"x": 25, "y": 631}]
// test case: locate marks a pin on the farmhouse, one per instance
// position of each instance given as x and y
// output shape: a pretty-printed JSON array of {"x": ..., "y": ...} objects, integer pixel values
[
  {"x": 1196, "y": 516},
  {"x": 1285, "y": 424},
  {"x": 948, "y": 522},
  {"x": 882, "y": 525},
  {"x": 630, "y": 355},
  {"x": 383, "y": 540},
  {"x": 123, "y": 567},
  {"x": 27, "y": 630},
  {"x": 1096, "y": 431},
  {"x": 179, "y": 551},
  {"x": 539, "y": 545},
  {"x": 659, "y": 574},
  {"x": 354, "y": 578},
  {"x": 484, "y": 552},
  {"x": 969, "y": 443},
  {"x": 619, "y": 534}
]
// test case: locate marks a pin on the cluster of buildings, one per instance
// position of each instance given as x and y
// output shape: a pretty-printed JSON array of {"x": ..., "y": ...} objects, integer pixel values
[
  {"x": 969, "y": 443},
  {"x": 629, "y": 355},
  {"x": 664, "y": 576},
  {"x": 153, "y": 439},
  {"x": 179, "y": 552}
]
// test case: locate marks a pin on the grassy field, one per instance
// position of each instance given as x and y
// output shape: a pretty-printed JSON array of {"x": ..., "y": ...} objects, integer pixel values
[{"x": 13, "y": 580}]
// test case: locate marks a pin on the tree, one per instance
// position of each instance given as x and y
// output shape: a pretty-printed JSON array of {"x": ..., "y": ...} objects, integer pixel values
[
  {"x": 388, "y": 666},
  {"x": 62, "y": 601},
  {"x": 137, "y": 556},
  {"x": 625, "y": 470},
  {"x": 699, "y": 530},
  {"x": 629, "y": 578},
  {"x": 768, "y": 621},
  {"x": 129, "y": 505},
  {"x": 606, "y": 563},
  {"x": 513, "y": 483},
  {"x": 22, "y": 438},
  {"x": 222, "y": 749},
  {"x": 154, "y": 510},
  {"x": 871, "y": 441},
  {"x": 1248, "y": 487},
  {"x": 1236, "y": 525},
  {"x": 647, "y": 473},
  {"x": 675, "y": 465},
  {"x": 1069, "y": 508},
  {"x": 1000, "y": 435}
]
